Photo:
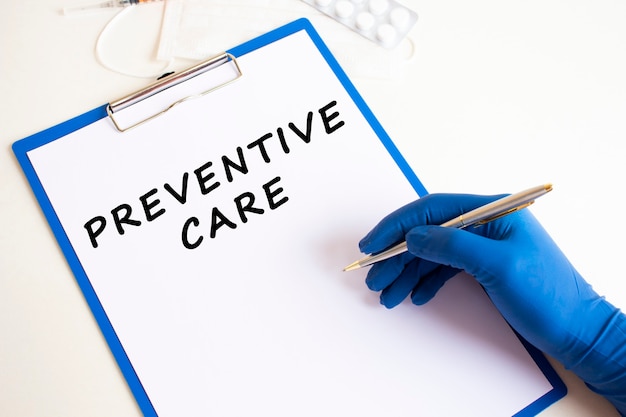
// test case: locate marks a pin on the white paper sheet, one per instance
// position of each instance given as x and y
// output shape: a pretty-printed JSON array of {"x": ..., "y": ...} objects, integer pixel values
[{"x": 261, "y": 319}]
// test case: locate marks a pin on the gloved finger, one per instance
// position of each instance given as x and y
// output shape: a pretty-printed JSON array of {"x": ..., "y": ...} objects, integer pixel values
[
  {"x": 431, "y": 209},
  {"x": 410, "y": 277},
  {"x": 480, "y": 256},
  {"x": 429, "y": 285},
  {"x": 382, "y": 274}
]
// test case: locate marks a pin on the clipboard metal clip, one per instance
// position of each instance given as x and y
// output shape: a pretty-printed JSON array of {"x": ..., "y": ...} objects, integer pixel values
[{"x": 170, "y": 81}]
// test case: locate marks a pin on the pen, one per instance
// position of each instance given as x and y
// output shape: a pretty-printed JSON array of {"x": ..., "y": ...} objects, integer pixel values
[{"x": 476, "y": 217}]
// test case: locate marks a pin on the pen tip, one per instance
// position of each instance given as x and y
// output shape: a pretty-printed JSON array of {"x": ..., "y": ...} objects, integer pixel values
[
  {"x": 548, "y": 187},
  {"x": 352, "y": 266}
]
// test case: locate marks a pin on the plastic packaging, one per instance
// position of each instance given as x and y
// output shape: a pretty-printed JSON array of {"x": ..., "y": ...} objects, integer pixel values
[{"x": 385, "y": 22}]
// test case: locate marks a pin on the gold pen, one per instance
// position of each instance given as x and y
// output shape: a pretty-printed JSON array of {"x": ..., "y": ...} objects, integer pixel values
[{"x": 476, "y": 217}]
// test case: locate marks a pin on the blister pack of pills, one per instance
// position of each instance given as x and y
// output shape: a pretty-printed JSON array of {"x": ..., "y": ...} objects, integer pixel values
[{"x": 385, "y": 22}]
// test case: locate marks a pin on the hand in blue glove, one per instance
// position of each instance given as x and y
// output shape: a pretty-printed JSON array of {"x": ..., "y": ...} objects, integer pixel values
[{"x": 522, "y": 270}]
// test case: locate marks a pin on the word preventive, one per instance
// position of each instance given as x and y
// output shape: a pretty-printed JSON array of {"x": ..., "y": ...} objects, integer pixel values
[{"x": 193, "y": 231}]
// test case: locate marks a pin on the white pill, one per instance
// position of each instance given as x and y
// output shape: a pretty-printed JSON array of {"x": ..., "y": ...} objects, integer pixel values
[
  {"x": 400, "y": 17},
  {"x": 384, "y": 22},
  {"x": 344, "y": 9},
  {"x": 378, "y": 7},
  {"x": 364, "y": 21},
  {"x": 323, "y": 3},
  {"x": 386, "y": 33}
]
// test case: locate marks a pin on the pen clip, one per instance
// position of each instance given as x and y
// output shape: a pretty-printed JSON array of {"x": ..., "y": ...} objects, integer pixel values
[{"x": 497, "y": 216}]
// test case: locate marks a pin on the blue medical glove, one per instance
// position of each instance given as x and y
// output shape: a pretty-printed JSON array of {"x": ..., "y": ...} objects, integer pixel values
[{"x": 522, "y": 270}]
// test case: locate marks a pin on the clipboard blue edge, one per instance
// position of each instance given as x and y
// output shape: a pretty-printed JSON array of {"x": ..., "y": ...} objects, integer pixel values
[
  {"x": 23, "y": 146},
  {"x": 21, "y": 149},
  {"x": 559, "y": 389}
]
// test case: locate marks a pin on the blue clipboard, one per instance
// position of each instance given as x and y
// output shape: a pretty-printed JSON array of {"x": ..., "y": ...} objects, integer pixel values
[{"x": 22, "y": 147}]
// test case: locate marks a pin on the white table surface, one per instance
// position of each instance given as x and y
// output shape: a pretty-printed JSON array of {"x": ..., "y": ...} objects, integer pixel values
[{"x": 487, "y": 97}]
